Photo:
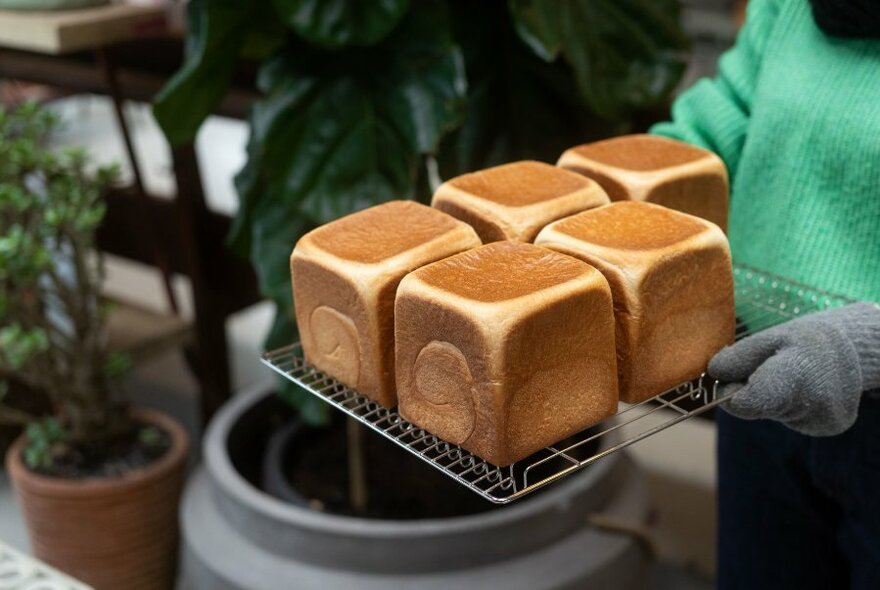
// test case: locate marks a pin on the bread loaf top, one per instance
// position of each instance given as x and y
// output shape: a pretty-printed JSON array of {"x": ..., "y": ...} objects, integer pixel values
[
  {"x": 381, "y": 232},
  {"x": 631, "y": 235},
  {"x": 503, "y": 271},
  {"x": 637, "y": 153},
  {"x": 520, "y": 184},
  {"x": 632, "y": 240},
  {"x": 632, "y": 225}
]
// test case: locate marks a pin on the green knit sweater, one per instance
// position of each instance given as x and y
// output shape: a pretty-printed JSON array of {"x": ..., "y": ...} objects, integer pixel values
[{"x": 795, "y": 115}]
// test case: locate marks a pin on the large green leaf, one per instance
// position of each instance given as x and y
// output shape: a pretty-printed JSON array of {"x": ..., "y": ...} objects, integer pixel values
[
  {"x": 626, "y": 54},
  {"x": 271, "y": 245},
  {"x": 218, "y": 32},
  {"x": 339, "y": 131},
  {"x": 341, "y": 23},
  {"x": 519, "y": 106}
]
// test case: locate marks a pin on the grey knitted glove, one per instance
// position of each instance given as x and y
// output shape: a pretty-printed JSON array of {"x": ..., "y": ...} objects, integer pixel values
[{"x": 808, "y": 373}]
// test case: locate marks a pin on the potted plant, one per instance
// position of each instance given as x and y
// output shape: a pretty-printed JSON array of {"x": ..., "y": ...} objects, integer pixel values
[
  {"x": 98, "y": 482},
  {"x": 362, "y": 103}
]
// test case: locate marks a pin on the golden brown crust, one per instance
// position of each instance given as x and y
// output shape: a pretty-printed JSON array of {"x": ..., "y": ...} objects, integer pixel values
[
  {"x": 486, "y": 228},
  {"x": 344, "y": 295},
  {"x": 500, "y": 271},
  {"x": 624, "y": 302},
  {"x": 695, "y": 197},
  {"x": 514, "y": 201},
  {"x": 673, "y": 302},
  {"x": 564, "y": 380},
  {"x": 631, "y": 225},
  {"x": 640, "y": 152},
  {"x": 452, "y": 414},
  {"x": 687, "y": 316},
  {"x": 380, "y": 232},
  {"x": 519, "y": 183},
  {"x": 615, "y": 189},
  {"x": 657, "y": 170},
  {"x": 316, "y": 288},
  {"x": 507, "y": 375}
]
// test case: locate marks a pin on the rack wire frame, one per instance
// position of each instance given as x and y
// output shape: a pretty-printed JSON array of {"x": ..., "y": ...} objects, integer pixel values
[{"x": 762, "y": 301}]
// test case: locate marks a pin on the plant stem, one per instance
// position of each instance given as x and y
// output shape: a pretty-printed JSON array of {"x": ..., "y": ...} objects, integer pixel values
[{"x": 357, "y": 467}]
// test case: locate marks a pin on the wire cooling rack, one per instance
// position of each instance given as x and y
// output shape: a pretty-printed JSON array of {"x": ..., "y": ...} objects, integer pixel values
[{"x": 762, "y": 301}]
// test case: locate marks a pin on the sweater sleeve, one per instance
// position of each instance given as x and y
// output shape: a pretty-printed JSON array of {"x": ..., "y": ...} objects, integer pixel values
[{"x": 714, "y": 113}]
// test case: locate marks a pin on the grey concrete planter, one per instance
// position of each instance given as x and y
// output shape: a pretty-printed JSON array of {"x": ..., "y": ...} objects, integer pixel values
[{"x": 237, "y": 537}]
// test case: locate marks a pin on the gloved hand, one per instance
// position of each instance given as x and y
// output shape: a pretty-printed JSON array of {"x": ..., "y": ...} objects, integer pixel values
[{"x": 808, "y": 373}]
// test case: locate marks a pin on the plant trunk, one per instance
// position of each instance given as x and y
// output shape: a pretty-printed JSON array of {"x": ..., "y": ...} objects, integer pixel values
[
  {"x": 357, "y": 467},
  {"x": 93, "y": 420}
]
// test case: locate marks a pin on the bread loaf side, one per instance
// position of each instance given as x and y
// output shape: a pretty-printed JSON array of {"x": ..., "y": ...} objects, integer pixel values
[
  {"x": 672, "y": 284},
  {"x": 505, "y": 349},
  {"x": 345, "y": 276}
]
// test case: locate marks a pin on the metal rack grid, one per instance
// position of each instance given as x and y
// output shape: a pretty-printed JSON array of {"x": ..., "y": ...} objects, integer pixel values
[{"x": 762, "y": 300}]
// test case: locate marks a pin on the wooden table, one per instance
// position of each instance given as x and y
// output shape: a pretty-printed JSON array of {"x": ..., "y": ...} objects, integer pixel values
[{"x": 64, "y": 31}]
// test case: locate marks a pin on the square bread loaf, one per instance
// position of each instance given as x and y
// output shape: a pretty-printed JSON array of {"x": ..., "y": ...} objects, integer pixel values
[
  {"x": 656, "y": 170},
  {"x": 514, "y": 201},
  {"x": 505, "y": 349},
  {"x": 672, "y": 284},
  {"x": 345, "y": 275}
]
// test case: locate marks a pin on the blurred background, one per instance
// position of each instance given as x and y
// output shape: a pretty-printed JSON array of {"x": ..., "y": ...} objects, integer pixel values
[{"x": 237, "y": 126}]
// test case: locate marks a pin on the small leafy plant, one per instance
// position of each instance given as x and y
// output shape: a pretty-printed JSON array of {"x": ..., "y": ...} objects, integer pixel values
[{"x": 52, "y": 335}]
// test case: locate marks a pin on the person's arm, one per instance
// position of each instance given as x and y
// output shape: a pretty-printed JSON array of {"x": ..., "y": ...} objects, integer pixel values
[
  {"x": 714, "y": 113},
  {"x": 808, "y": 373}
]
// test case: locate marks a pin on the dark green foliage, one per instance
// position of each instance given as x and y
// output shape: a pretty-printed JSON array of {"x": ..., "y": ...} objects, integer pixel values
[
  {"x": 341, "y": 23},
  {"x": 625, "y": 54},
  {"x": 220, "y": 31},
  {"x": 359, "y": 96}
]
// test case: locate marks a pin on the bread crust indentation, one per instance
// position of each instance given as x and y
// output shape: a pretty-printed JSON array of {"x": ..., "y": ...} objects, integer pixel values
[
  {"x": 443, "y": 379},
  {"x": 336, "y": 343}
]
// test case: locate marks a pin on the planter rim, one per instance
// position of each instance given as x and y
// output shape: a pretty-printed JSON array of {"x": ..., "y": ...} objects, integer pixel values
[
  {"x": 230, "y": 481},
  {"x": 45, "y": 485}
]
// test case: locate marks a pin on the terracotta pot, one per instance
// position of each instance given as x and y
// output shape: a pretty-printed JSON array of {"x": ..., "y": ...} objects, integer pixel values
[{"x": 111, "y": 533}]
